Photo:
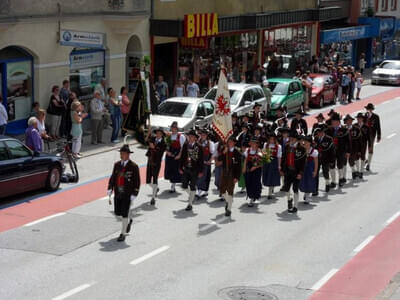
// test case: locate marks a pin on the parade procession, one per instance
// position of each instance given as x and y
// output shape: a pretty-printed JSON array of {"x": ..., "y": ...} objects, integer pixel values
[{"x": 253, "y": 155}]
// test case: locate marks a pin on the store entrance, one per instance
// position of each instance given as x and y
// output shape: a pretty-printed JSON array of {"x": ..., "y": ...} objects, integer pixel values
[{"x": 165, "y": 63}]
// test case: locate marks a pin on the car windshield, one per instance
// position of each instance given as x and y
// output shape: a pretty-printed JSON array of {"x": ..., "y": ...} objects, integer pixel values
[
  {"x": 176, "y": 109},
  {"x": 390, "y": 65},
  {"x": 318, "y": 81},
  {"x": 234, "y": 95},
  {"x": 278, "y": 88}
]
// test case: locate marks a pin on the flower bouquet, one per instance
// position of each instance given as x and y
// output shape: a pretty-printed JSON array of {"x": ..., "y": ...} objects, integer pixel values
[{"x": 266, "y": 156}]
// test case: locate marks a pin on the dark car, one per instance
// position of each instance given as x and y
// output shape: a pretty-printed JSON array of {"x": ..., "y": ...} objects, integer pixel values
[
  {"x": 324, "y": 90},
  {"x": 22, "y": 170}
]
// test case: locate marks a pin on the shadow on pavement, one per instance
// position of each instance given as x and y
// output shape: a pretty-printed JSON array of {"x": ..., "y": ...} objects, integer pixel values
[
  {"x": 183, "y": 214},
  {"x": 303, "y": 206},
  {"x": 167, "y": 195},
  {"x": 217, "y": 203},
  {"x": 250, "y": 210},
  {"x": 287, "y": 217},
  {"x": 112, "y": 245},
  {"x": 146, "y": 207}
]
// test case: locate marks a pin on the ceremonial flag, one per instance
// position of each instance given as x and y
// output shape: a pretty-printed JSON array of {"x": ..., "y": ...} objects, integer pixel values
[{"x": 222, "y": 119}]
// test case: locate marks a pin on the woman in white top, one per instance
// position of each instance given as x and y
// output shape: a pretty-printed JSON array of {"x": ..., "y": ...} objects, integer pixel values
[
  {"x": 41, "y": 126},
  {"x": 179, "y": 89},
  {"x": 359, "y": 82}
]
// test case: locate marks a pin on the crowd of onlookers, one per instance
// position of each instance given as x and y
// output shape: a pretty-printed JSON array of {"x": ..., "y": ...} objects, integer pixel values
[{"x": 64, "y": 116}]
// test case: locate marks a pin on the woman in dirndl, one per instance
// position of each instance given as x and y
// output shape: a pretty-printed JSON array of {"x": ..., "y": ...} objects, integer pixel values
[
  {"x": 308, "y": 180},
  {"x": 271, "y": 170},
  {"x": 253, "y": 171},
  {"x": 175, "y": 143}
]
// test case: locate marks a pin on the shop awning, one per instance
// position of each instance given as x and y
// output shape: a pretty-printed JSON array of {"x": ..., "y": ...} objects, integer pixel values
[{"x": 175, "y": 28}]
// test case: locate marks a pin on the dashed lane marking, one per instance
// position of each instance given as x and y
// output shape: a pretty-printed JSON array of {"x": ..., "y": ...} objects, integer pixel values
[
  {"x": 391, "y": 136},
  {"x": 363, "y": 244},
  {"x": 74, "y": 291},
  {"x": 324, "y": 279},
  {"x": 44, "y": 219},
  {"x": 149, "y": 255},
  {"x": 392, "y": 218}
]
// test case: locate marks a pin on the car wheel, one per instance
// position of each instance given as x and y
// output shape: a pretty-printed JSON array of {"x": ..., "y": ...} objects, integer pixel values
[
  {"x": 53, "y": 179},
  {"x": 321, "y": 102}
]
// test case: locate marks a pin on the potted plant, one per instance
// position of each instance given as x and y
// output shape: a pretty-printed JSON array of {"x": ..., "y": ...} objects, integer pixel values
[{"x": 370, "y": 12}]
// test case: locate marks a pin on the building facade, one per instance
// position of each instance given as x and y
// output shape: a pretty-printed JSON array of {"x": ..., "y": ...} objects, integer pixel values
[
  {"x": 187, "y": 42},
  {"x": 80, "y": 40}
]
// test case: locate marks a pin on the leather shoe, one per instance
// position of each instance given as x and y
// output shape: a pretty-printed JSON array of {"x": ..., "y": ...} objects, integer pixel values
[
  {"x": 121, "y": 238},
  {"x": 228, "y": 213},
  {"x": 189, "y": 208},
  {"x": 152, "y": 201}
]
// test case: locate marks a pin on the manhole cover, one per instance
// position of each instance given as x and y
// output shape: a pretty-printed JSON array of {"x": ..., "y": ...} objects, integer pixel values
[{"x": 248, "y": 294}]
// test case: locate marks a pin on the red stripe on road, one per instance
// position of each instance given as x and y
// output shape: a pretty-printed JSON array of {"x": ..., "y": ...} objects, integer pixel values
[
  {"x": 367, "y": 273},
  {"x": 62, "y": 201},
  {"x": 24, "y": 213}
]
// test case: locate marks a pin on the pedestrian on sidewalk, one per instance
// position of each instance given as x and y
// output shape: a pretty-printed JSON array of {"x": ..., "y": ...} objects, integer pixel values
[
  {"x": 77, "y": 117},
  {"x": 55, "y": 111},
  {"x": 115, "y": 111},
  {"x": 345, "y": 82},
  {"x": 162, "y": 88},
  {"x": 65, "y": 94},
  {"x": 101, "y": 88},
  {"x": 359, "y": 82},
  {"x": 362, "y": 63},
  {"x": 125, "y": 182},
  {"x": 124, "y": 107},
  {"x": 191, "y": 166},
  {"x": 192, "y": 89},
  {"x": 3, "y": 117},
  {"x": 96, "y": 118},
  {"x": 179, "y": 89},
  {"x": 35, "y": 110},
  {"x": 42, "y": 127},
  {"x": 32, "y": 136},
  {"x": 154, "y": 154}
]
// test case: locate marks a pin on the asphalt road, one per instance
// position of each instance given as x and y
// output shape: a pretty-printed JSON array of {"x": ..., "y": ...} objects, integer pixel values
[{"x": 172, "y": 254}]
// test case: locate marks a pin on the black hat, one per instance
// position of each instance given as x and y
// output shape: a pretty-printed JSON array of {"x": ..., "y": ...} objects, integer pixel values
[
  {"x": 335, "y": 117},
  {"x": 308, "y": 138},
  {"x": 159, "y": 129},
  {"x": 193, "y": 132},
  {"x": 246, "y": 115},
  {"x": 331, "y": 112},
  {"x": 348, "y": 117},
  {"x": 360, "y": 115},
  {"x": 271, "y": 134},
  {"x": 125, "y": 148},
  {"x": 369, "y": 106},
  {"x": 300, "y": 112},
  {"x": 320, "y": 116},
  {"x": 234, "y": 115},
  {"x": 174, "y": 124},
  {"x": 280, "y": 108},
  {"x": 284, "y": 129},
  {"x": 293, "y": 134},
  {"x": 257, "y": 105},
  {"x": 254, "y": 140}
]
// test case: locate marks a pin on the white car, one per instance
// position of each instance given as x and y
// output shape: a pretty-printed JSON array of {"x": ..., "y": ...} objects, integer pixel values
[
  {"x": 243, "y": 97},
  {"x": 187, "y": 111},
  {"x": 387, "y": 72}
]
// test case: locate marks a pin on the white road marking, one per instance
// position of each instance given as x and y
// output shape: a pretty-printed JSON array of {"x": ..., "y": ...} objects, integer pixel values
[
  {"x": 74, "y": 291},
  {"x": 391, "y": 135},
  {"x": 149, "y": 255},
  {"x": 44, "y": 219},
  {"x": 213, "y": 223},
  {"x": 386, "y": 102},
  {"x": 324, "y": 279},
  {"x": 363, "y": 244},
  {"x": 392, "y": 218}
]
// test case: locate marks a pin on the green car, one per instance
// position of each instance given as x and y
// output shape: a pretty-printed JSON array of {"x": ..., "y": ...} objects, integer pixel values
[{"x": 287, "y": 93}]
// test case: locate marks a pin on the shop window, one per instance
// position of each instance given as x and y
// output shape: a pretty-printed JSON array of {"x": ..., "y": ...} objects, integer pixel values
[
  {"x": 19, "y": 89},
  {"x": 384, "y": 5},
  {"x": 393, "y": 5}
]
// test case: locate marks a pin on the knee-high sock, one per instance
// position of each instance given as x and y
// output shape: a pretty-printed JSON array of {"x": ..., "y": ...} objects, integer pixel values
[
  {"x": 288, "y": 196},
  {"x": 353, "y": 168},
  {"x": 362, "y": 166},
  {"x": 173, "y": 186},
  {"x": 229, "y": 201},
  {"x": 344, "y": 171},
  {"x": 191, "y": 197},
  {"x": 370, "y": 156},
  {"x": 333, "y": 175},
  {"x": 125, "y": 222},
  {"x": 358, "y": 164},
  {"x": 270, "y": 190},
  {"x": 307, "y": 197},
  {"x": 155, "y": 186},
  {"x": 327, "y": 181},
  {"x": 295, "y": 199}
]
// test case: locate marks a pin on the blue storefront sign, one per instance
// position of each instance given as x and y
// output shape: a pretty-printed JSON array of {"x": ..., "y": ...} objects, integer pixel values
[
  {"x": 345, "y": 34},
  {"x": 398, "y": 25},
  {"x": 381, "y": 27}
]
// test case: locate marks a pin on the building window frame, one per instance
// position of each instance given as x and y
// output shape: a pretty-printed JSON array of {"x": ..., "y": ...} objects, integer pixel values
[
  {"x": 393, "y": 5},
  {"x": 384, "y": 5}
]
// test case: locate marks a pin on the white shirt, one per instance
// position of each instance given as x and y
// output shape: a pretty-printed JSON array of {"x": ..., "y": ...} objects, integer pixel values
[
  {"x": 182, "y": 138},
  {"x": 41, "y": 126},
  {"x": 123, "y": 163},
  {"x": 314, "y": 153},
  {"x": 3, "y": 115}
]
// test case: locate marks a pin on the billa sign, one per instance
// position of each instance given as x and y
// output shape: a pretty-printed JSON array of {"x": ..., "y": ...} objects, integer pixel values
[
  {"x": 201, "y": 25},
  {"x": 201, "y": 43}
]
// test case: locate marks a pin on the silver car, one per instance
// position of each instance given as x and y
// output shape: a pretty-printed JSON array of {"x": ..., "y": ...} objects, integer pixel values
[
  {"x": 388, "y": 72},
  {"x": 187, "y": 111},
  {"x": 243, "y": 97}
]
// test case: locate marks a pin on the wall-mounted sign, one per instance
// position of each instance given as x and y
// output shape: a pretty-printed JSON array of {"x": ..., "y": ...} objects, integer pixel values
[
  {"x": 81, "y": 39},
  {"x": 201, "y": 25},
  {"x": 79, "y": 61},
  {"x": 345, "y": 34},
  {"x": 201, "y": 42}
]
